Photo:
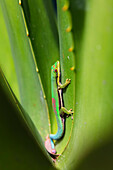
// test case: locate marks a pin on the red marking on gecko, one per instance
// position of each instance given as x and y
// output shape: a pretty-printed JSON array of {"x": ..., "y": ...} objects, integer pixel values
[{"x": 54, "y": 105}]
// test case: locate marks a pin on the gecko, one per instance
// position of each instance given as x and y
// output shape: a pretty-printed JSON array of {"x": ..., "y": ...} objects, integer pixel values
[{"x": 57, "y": 103}]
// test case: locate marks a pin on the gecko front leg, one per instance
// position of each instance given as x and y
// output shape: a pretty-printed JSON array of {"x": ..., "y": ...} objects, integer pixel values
[
  {"x": 62, "y": 86},
  {"x": 63, "y": 109}
]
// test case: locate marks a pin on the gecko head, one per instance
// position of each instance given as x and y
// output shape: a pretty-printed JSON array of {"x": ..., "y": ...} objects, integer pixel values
[{"x": 54, "y": 69}]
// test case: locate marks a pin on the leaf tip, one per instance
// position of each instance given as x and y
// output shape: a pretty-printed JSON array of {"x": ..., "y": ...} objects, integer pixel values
[
  {"x": 27, "y": 34},
  {"x": 20, "y": 2},
  {"x": 44, "y": 97},
  {"x": 68, "y": 29},
  {"x": 72, "y": 68},
  {"x": 37, "y": 70},
  {"x": 71, "y": 49},
  {"x": 66, "y": 6}
]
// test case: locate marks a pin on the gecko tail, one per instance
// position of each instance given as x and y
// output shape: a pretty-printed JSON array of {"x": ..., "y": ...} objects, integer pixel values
[{"x": 58, "y": 135}]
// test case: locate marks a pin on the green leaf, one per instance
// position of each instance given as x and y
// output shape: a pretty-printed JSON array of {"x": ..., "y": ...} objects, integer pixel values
[
  {"x": 67, "y": 65},
  {"x": 41, "y": 22},
  {"x": 88, "y": 143},
  {"x": 92, "y": 135},
  {"x": 31, "y": 90},
  {"x": 19, "y": 149},
  {"x": 6, "y": 60}
]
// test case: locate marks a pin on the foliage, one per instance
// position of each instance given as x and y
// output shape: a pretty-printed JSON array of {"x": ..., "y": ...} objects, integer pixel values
[{"x": 32, "y": 37}]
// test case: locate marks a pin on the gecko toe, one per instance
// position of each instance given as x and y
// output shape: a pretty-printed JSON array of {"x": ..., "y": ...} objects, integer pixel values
[
  {"x": 53, "y": 151},
  {"x": 72, "y": 117}
]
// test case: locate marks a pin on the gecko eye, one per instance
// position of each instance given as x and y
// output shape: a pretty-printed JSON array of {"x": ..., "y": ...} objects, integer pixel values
[{"x": 55, "y": 70}]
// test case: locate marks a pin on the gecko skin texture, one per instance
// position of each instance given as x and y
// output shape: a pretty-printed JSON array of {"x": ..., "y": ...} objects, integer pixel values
[{"x": 56, "y": 103}]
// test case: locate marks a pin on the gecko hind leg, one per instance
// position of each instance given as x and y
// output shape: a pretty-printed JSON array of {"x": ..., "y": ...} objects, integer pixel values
[
  {"x": 52, "y": 145},
  {"x": 64, "y": 110}
]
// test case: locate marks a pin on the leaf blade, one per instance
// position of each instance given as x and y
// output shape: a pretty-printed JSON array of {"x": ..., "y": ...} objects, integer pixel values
[
  {"x": 19, "y": 150},
  {"x": 93, "y": 126},
  {"x": 5, "y": 55},
  {"x": 32, "y": 101},
  {"x": 67, "y": 65},
  {"x": 40, "y": 19}
]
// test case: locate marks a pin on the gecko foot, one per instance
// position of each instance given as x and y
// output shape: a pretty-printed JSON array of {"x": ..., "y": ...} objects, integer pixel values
[
  {"x": 53, "y": 151},
  {"x": 70, "y": 111},
  {"x": 68, "y": 81},
  {"x": 48, "y": 147},
  {"x": 62, "y": 86}
]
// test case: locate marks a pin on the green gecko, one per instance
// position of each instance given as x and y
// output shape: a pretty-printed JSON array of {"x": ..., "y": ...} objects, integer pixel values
[{"x": 57, "y": 103}]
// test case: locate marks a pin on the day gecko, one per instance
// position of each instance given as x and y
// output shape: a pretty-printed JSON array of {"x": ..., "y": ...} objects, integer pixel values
[{"x": 57, "y": 103}]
